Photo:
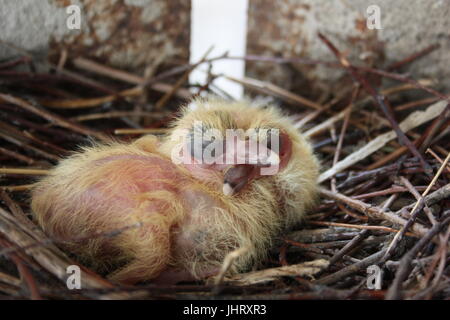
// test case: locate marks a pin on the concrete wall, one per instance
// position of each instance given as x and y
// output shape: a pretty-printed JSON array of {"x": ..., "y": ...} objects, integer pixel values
[
  {"x": 134, "y": 34},
  {"x": 131, "y": 34},
  {"x": 289, "y": 28}
]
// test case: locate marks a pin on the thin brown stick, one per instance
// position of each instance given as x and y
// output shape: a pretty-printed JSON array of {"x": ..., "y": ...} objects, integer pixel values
[
  {"x": 404, "y": 269},
  {"x": 53, "y": 118},
  {"x": 89, "y": 102},
  {"x": 25, "y": 273},
  {"x": 17, "y": 156},
  {"x": 442, "y": 253},
  {"x": 392, "y": 190},
  {"x": 166, "y": 97},
  {"x": 119, "y": 114},
  {"x": 20, "y": 188},
  {"x": 349, "y": 246},
  {"x": 414, "y": 191},
  {"x": 430, "y": 151},
  {"x": 356, "y": 226},
  {"x": 414, "y": 212},
  {"x": 352, "y": 214},
  {"x": 25, "y": 171},
  {"x": 332, "y": 278},
  {"x": 413, "y": 57},
  {"x": 275, "y": 90},
  {"x": 382, "y": 101},
  {"x": 98, "y": 68},
  {"x": 390, "y": 157},
  {"x": 141, "y": 131},
  {"x": 348, "y": 112},
  {"x": 416, "y": 103},
  {"x": 14, "y": 136},
  {"x": 373, "y": 211},
  {"x": 15, "y": 62}
]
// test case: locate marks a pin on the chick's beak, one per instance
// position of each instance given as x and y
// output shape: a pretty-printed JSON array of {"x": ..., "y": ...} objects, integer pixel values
[{"x": 248, "y": 164}]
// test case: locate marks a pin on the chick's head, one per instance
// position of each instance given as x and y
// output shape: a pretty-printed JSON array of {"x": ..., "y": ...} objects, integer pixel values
[{"x": 246, "y": 148}]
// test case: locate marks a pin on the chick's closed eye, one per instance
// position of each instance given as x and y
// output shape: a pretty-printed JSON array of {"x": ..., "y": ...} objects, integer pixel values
[{"x": 245, "y": 176}]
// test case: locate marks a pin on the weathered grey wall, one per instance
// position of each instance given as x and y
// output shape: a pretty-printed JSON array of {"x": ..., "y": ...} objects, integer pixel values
[
  {"x": 131, "y": 34},
  {"x": 289, "y": 28},
  {"x": 134, "y": 34}
]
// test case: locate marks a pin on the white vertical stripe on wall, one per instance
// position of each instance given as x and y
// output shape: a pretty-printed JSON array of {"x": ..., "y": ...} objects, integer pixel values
[{"x": 222, "y": 24}]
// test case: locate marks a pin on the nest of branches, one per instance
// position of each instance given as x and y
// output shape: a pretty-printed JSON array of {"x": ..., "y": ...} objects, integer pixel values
[{"x": 384, "y": 183}]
